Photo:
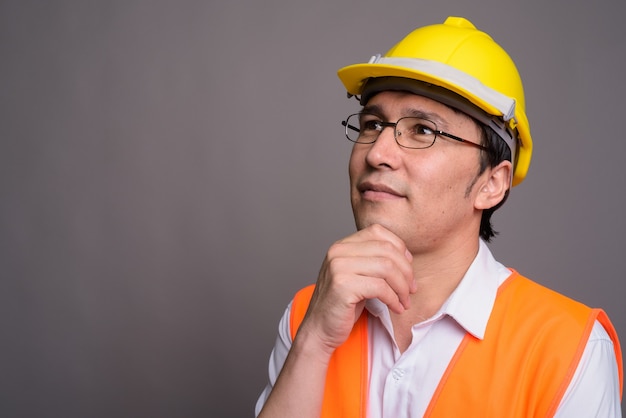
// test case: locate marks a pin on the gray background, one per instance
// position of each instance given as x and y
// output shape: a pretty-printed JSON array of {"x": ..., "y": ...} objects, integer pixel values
[{"x": 171, "y": 172}]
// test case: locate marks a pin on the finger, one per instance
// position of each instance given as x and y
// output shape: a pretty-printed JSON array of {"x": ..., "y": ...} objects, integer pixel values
[
  {"x": 376, "y": 288},
  {"x": 383, "y": 257},
  {"x": 377, "y": 232},
  {"x": 381, "y": 273}
]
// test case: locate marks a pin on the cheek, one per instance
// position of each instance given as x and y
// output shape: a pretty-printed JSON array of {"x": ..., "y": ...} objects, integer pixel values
[
  {"x": 428, "y": 177},
  {"x": 440, "y": 183},
  {"x": 355, "y": 164}
]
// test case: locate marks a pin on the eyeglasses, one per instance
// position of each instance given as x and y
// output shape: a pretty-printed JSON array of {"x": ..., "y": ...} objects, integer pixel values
[{"x": 409, "y": 132}]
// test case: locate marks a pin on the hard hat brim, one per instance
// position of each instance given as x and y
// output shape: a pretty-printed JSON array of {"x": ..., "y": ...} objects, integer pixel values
[{"x": 439, "y": 74}]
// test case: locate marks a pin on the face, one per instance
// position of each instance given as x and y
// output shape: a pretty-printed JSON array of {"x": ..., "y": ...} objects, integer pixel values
[{"x": 425, "y": 196}]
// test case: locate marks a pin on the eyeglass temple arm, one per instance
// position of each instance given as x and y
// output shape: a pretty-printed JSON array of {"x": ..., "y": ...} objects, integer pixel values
[
  {"x": 456, "y": 138},
  {"x": 354, "y": 128}
]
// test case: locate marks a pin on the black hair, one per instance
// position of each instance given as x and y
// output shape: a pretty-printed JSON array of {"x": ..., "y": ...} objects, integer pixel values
[{"x": 498, "y": 151}]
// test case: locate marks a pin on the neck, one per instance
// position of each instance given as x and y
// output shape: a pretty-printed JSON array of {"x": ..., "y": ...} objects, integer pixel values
[{"x": 437, "y": 277}]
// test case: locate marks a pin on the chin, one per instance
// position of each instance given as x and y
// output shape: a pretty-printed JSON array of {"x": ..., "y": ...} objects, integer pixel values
[
  {"x": 364, "y": 221},
  {"x": 385, "y": 213}
]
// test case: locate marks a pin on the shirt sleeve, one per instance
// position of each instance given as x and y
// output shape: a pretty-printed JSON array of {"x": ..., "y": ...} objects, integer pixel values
[
  {"x": 277, "y": 358},
  {"x": 594, "y": 389}
]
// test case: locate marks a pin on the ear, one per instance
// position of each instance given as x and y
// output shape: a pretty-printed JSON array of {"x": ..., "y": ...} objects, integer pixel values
[{"x": 495, "y": 183}]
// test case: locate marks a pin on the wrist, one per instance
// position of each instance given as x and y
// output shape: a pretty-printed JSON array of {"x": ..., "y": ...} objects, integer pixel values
[{"x": 310, "y": 345}]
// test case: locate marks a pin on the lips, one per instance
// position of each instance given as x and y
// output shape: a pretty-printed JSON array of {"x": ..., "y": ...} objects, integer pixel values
[{"x": 378, "y": 190}]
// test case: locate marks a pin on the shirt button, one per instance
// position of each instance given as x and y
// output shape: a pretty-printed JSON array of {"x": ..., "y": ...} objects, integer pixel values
[{"x": 397, "y": 373}]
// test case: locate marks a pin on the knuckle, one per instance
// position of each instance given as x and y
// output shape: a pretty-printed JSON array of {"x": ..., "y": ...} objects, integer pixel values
[
  {"x": 387, "y": 264},
  {"x": 335, "y": 249},
  {"x": 376, "y": 229},
  {"x": 387, "y": 246}
]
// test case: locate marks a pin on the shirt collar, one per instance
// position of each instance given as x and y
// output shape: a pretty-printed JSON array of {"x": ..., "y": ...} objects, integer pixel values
[{"x": 471, "y": 302}]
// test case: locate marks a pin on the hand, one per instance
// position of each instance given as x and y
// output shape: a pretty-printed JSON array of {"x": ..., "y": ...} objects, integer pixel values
[{"x": 372, "y": 263}]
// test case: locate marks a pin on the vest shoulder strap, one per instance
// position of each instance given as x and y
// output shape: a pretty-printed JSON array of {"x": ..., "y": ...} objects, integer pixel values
[{"x": 522, "y": 367}]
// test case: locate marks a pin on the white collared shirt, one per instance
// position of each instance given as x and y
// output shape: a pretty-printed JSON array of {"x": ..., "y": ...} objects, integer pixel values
[{"x": 401, "y": 384}]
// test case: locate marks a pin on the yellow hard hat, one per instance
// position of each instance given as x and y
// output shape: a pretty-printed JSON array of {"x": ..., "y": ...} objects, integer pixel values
[{"x": 458, "y": 65}]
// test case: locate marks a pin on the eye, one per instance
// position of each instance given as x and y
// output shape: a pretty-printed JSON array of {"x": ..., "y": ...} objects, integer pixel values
[
  {"x": 370, "y": 125},
  {"x": 421, "y": 129}
]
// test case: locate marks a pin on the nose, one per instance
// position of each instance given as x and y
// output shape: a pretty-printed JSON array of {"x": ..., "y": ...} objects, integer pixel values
[{"x": 385, "y": 151}]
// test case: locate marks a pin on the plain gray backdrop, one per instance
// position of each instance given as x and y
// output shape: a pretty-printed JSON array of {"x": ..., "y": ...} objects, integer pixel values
[{"x": 173, "y": 171}]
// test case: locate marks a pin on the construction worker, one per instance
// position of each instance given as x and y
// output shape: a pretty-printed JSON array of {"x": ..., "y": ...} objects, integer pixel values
[{"x": 412, "y": 315}]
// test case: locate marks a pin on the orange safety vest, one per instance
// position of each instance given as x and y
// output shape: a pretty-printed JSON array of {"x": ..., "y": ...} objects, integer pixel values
[{"x": 533, "y": 343}]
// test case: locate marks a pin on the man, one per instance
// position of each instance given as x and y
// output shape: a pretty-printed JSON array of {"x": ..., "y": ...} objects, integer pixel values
[{"x": 411, "y": 315}]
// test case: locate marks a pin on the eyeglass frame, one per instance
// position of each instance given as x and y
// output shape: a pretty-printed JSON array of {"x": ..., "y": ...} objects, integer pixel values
[{"x": 384, "y": 125}]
